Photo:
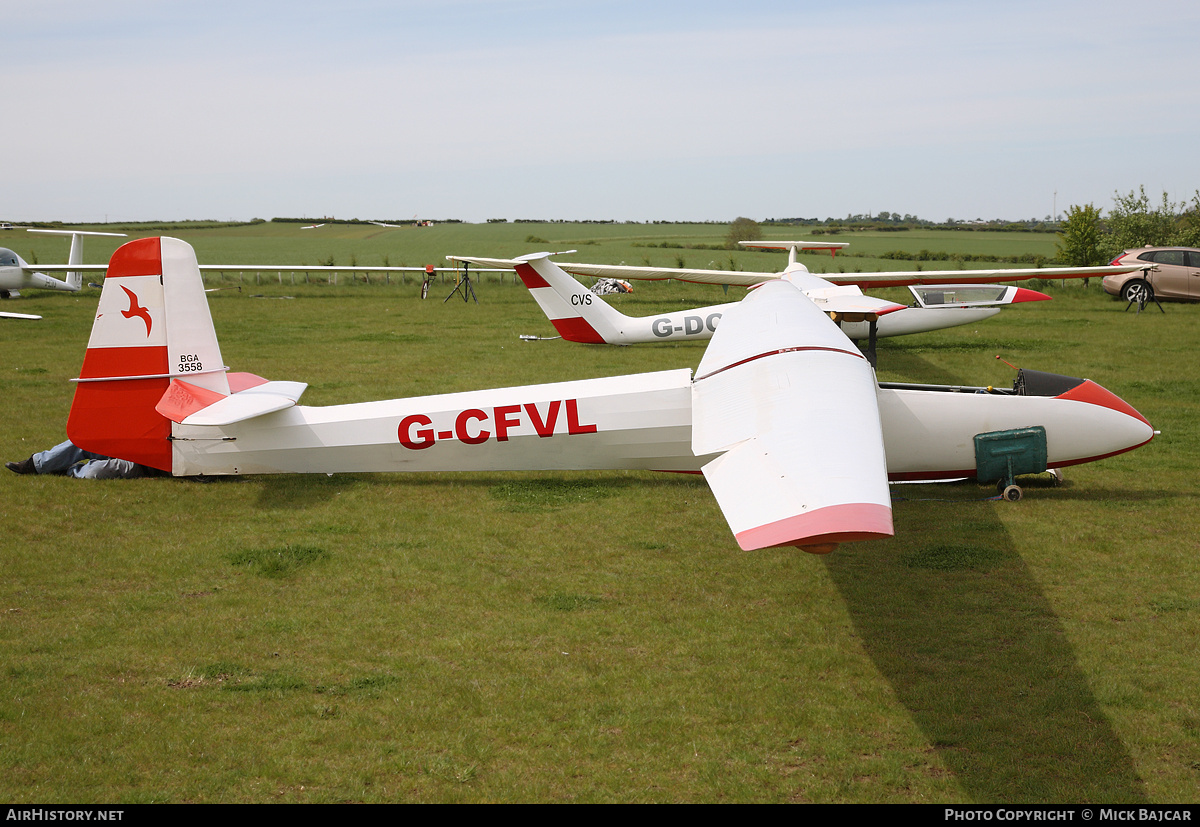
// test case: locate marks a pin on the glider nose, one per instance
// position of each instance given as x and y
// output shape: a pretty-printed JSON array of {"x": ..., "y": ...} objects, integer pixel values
[
  {"x": 1123, "y": 427},
  {"x": 1024, "y": 294}
]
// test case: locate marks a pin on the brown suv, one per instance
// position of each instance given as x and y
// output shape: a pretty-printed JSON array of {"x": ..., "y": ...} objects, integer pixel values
[{"x": 1176, "y": 274}]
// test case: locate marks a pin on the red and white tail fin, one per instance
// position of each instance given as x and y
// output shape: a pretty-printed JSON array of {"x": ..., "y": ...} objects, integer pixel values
[
  {"x": 576, "y": 313},
  {"x": 152, "y": 324}
]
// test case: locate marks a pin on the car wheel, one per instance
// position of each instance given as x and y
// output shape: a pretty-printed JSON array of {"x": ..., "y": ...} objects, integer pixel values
[{"x": 1137, "y": 291}]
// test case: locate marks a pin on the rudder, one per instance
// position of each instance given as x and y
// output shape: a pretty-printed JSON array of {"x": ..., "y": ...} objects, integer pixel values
[
  {"x": 576, "y": 313},
  {"x": 148, "y": 328}
]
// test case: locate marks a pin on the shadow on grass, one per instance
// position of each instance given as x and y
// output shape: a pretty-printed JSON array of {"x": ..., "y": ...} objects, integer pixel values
[
  {"x": 1040, "y": 486},
  {"x": 956, "y": 623},
  {"x": 953, "y": 619},
  {"x": 298, "y": 491}
]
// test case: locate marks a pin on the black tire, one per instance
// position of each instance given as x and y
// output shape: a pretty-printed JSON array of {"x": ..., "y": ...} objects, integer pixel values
[
  {"x": 1137, "y": 290},
  {"x": 1012, "y": 493},
  {"x": 424, "y": 289}
]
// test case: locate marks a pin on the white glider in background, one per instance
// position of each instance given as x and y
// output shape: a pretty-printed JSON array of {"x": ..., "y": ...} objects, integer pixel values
[
  {"x": 581, "y": 316},
  {"x": 17, "y": 274},
  {"x": 783, "y": 417}
]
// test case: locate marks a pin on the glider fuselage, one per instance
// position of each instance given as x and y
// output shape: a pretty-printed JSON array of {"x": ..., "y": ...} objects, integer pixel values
[{"x": 642, "y": 421}]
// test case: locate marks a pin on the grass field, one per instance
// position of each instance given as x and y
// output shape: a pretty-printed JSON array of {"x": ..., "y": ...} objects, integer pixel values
[{"x": 589, "y": 637}]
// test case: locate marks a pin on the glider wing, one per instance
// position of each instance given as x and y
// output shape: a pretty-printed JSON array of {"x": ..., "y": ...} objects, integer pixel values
[{"x": 791, "y": 406}]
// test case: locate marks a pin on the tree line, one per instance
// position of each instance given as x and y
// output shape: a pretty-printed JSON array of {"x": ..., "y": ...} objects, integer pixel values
[{"x": 1088, "y": 237}]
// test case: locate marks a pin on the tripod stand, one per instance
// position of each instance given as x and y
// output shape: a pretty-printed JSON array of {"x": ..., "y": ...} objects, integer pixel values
[{"x": 464, "y": 284}]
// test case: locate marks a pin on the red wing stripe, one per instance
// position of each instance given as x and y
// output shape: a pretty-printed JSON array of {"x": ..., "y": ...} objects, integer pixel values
[{"x": 777, "y": 353}]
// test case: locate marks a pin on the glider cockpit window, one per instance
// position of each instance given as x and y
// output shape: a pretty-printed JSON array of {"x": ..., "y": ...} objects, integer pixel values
[
  {"x": 1039, "y": 383},
  {"x": 957, "y": 294},
  {"x": 8, "y": 257}
]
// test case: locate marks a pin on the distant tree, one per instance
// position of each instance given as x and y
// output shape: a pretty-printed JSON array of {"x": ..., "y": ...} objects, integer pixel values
[
  {"x": 1189, "y": 224},
  {"x": 1133, "y": 223},
  {"x": 1079, "y": 239},
  {"x": 742, "y": 229}
]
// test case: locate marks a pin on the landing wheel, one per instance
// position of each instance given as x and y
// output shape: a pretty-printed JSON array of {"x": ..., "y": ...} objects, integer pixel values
[{"x": 1012, "y": 493}]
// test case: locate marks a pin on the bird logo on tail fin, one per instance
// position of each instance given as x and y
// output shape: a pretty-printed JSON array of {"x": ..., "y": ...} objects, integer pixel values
[{"x": 136, "y": 309}]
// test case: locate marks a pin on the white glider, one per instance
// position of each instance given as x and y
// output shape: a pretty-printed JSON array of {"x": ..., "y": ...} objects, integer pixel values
[
  {"x": 581, "y": 316},
  {"x": 784, "y": 416}
]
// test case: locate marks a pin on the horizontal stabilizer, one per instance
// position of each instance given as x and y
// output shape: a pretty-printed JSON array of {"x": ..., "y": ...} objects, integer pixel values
[
  {"x": 792, "y": 406},
  {"x": 189, "y": 404},
  {"x": 257, "y": 401},
  {"x": 503, "y": 263},
  {"x": 182, "y": 399}
]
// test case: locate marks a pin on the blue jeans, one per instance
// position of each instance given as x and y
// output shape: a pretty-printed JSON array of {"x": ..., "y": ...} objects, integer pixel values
[{"x": 67, "y": 458}]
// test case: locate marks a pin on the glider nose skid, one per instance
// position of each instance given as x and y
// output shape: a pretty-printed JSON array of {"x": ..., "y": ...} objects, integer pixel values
[{"x": 791, "y": 405}]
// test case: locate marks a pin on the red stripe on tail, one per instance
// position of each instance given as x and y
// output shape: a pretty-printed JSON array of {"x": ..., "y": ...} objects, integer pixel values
[
  {"x": 117, "y": 417},
  {"x": 137, "y": 258},
  {"x": 577, "y": 330}
]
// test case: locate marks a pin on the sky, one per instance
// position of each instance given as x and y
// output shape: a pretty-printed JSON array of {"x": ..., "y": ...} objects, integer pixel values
[{"x": 130, "y": 110}]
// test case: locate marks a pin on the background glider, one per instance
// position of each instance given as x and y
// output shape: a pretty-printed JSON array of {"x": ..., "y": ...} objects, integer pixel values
[{"x": 581, "y": 316}]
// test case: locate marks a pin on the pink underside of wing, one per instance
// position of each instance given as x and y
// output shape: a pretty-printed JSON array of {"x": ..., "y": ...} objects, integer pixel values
[{"x": 845, "y": 523}]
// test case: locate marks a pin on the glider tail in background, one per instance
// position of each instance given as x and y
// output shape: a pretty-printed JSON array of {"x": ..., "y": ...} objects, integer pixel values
[
  {"x": 581, "y": 316},
  {"x": 75, "y": 277},
  {"x": 576, "y": 313}
]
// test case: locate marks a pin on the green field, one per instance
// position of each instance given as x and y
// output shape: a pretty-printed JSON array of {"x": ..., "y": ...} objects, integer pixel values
[
  {"x": 633, "y": 244},
  {"x": 589, "y": 637}
]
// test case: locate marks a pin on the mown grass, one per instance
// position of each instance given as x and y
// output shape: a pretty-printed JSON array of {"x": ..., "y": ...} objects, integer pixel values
[{"x": 591, "y": 637}]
